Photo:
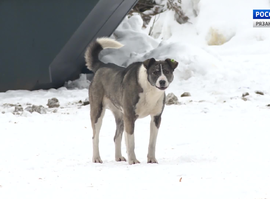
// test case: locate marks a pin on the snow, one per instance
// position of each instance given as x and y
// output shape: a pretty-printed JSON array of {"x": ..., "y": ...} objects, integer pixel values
[{"x": 215, "y": 144}]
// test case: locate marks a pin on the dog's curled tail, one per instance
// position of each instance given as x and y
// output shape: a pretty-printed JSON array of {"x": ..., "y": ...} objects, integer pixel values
[{"x": 93, "y": 50}]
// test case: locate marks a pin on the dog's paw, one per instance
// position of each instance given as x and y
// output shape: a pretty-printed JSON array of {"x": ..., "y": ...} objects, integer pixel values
[
  {"x": 119, "y": 159},
  {"x": 152, "y": 160},
  {"x": 97, "y": 160},
  {"x": 133, "y": 161}
]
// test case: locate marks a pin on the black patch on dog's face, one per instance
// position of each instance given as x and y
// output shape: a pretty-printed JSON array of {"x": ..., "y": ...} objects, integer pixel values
[{"x": 160, "y": 73}]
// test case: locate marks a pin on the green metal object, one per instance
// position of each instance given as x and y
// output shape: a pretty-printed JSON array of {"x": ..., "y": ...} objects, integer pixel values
[{"x": 42, "y": 42}]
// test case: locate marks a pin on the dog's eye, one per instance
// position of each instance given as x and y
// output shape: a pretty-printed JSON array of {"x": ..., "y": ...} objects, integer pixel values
[
  {"x": 156, "y": 72},
  {"x": 166, "y": 72}
]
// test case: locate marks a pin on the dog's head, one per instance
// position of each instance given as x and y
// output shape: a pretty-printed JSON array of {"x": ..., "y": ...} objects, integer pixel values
[{"x": 160, "y": 73}]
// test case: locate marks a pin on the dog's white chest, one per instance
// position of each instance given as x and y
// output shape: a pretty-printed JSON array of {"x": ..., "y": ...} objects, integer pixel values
[
  {"x": 150, "y": 103},
  {"x": 151, "y": 99}
]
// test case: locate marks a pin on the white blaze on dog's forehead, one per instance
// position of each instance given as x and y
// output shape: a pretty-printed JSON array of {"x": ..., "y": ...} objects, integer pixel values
[{"x": 161, "y": 69}]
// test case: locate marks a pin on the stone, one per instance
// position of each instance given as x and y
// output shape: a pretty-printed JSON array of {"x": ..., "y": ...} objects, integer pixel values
[
  {"x": 86, "y": 102},
  {"x": 186, "y": 94},
  {"x": 39, "y": 109},
  {"x": 171, "y": 99},
  {"x": 245, "y": 94},
  {"x": 53, "y": 103},
  {"x": 259, "y": 92},
  {"x": 18, "y": 110},
  {"x": 245, "y": 99}
]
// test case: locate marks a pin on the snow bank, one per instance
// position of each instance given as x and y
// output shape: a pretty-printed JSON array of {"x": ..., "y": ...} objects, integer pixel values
[
  {"x": 80, "y": 83},
  {"x": 217, "y": 47},
  {"x": 136, "y": 43},
  {"x": 139, "y": 46}
]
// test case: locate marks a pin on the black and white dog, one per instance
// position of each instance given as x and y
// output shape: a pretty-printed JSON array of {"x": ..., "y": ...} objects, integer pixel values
[{"x": 130, "y": 93}]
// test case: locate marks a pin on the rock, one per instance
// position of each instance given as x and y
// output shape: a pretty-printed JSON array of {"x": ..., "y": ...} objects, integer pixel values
[
  {"x": 245, "y": 94},
  {"x": 245, "y": 99},
  {"x": 259, "y": 92},
  {"x": 186, "y": 94},
  {"x": 171, "y": 99},
  {"x": 53, "y": 103},
  {"x": 39, "y": 109},
  {"x": 6, "y": 105},
  {"x": 18, "y": 110},
  {"x": 29, "y": 109},
  {"x": 86, "y": 102}
]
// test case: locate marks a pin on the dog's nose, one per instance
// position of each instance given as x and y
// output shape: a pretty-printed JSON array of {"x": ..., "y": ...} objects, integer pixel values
[{"x": 162, "y": 83}]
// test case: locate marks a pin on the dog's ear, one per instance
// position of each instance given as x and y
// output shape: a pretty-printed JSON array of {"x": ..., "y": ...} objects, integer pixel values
[
  {"x": 172, "y": 63},
  {"x": 149, "y": 62}
]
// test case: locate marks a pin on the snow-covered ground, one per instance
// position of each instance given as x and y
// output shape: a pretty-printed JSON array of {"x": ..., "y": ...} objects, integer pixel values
[{"x": 215, "y": 144}]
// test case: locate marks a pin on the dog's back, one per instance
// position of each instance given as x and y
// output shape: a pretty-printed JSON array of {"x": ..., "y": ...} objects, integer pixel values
[{"x": 109, "y": 80}]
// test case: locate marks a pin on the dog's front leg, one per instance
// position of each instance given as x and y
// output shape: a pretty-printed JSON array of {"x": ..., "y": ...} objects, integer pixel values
[
  {"x": 154, "y": 126},
  {"x": 129, "y": 123}
]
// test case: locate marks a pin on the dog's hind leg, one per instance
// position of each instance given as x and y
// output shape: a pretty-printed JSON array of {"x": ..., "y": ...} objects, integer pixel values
[
  {"x": 154, "y": 126},
  {"x": 97, "y": 113},
  {"x": 118, "y": 135}
]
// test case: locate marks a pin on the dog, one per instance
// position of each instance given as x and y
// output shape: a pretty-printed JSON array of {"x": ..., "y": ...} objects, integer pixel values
[{"x": 130, "y": 93}]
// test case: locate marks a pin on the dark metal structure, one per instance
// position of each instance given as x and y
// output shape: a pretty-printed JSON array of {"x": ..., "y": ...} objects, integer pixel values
[{"x": 42, "y": 42}]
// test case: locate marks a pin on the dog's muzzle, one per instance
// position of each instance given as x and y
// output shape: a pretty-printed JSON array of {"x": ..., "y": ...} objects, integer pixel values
[{"x": 162, "y": 85}]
